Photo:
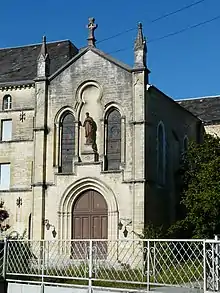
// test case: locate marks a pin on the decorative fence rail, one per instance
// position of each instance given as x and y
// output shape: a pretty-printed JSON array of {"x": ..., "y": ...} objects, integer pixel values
[{"x": 130, "y": 264}]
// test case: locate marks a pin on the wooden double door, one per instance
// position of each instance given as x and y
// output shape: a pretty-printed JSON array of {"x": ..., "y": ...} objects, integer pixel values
[{"x": 89, "y": 221}]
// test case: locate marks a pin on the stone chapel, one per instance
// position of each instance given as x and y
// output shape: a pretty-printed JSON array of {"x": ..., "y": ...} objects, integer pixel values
[{"x": 89, "y": 148}]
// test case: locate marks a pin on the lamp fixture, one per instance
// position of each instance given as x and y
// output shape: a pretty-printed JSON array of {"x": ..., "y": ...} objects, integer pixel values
[
  {"x": 48, "y": 225},
  {"x": 54, "y": 233},
  {"x": 127, "y": 222},
  {"x": 120, "y": 225},
  {"x": 125, "y": 232}
]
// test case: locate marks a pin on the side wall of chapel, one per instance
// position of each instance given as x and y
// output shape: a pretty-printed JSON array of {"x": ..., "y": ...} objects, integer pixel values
[{"x": 179, "y": 124}]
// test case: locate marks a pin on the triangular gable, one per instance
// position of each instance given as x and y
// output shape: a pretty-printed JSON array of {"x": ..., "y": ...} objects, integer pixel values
[{"x": 96, "y": 51}]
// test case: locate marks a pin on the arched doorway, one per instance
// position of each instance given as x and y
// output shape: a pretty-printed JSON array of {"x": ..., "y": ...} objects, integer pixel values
[
  {"x": 90, "y": 216},
  {"x": 89, "y": 221}
]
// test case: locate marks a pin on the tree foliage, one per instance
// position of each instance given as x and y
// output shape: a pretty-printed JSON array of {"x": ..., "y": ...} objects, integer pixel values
[{"x": 200, "y": 172}]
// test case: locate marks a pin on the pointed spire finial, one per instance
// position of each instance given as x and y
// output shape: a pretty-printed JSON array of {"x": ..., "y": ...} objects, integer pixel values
[
  {"x": 140, "y": 40},
  {"x": 140, "y": 48},
  {"x": 91, "y": 26},
  {"x": 140, "y": 26},
  {"x": 43, "y": 60},
  {"x": 43, "y": 50}
]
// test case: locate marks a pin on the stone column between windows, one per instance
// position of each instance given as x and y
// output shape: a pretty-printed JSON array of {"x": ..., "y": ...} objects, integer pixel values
[
  {"x": 57, "y": 145},
  {"x": 123, "y": 140},
  {"x": 102, "y": 151},
  {"x": 104, "y": 143},
  {"x": 59, "y": 161},
  {"x": 77, "y": 138}
]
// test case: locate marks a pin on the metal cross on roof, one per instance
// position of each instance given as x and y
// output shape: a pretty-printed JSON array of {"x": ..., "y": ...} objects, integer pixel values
[{"x": 91, "y": 26}]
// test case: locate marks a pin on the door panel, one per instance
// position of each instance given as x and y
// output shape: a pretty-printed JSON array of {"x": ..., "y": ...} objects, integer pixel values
[
  {"x": 96, "y": 227},
  {"x": 77, "y": 228},
  {"x": 85, "y": 234},
  {"x": 89, "y": 221}
]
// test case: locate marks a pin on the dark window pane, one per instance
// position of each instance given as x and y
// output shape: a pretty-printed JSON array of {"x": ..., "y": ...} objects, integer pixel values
[
  {"x": 67, "y": 143},
  {"x": 113, "y": 140}
]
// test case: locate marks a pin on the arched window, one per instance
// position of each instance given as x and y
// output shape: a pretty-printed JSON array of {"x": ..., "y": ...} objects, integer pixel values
[
  {"x": 113, "y": 140},
  {"x": 161, "y": 154},
  {"x": 67, "y": 142},
  {"x": 7, "y": 101},
  {"x": 185, "y": 144}
]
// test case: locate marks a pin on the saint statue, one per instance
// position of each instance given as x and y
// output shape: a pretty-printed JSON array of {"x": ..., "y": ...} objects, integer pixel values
[{"x": 90, "y": 131}]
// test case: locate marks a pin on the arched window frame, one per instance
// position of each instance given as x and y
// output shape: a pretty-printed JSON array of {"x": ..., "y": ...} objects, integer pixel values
[
  {"x": 185, "y": 144},
  {"x": 161, "y": 145},
  {"x": 58, "y": 132},
  {"x": 7, "y": 102},
  {"x": 108, "y": 111}
]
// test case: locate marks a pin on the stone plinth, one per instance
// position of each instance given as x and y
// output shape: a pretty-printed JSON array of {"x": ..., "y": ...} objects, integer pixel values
[{"x": 88, "y": 155}]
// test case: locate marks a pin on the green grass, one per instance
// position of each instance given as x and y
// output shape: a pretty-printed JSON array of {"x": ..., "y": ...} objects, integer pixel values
[
  {"x": 187, "y": 272},
  {"x": 182, "y": 273}
]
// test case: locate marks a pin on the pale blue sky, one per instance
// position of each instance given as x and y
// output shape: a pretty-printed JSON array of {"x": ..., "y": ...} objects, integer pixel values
[{"x": 185, "y": 65}]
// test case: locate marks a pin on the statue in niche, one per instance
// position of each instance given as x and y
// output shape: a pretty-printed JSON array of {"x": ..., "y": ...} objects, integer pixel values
[{"x": 90, "y": 131}]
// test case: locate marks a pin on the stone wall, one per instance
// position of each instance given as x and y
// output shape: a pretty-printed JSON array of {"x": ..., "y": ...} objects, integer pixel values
[
  {"x": 94, "y": 84},
  {"x": 178, "y": 124},
  {"x": 19, "y": 153},
  {"x": 213, "y": 129}
]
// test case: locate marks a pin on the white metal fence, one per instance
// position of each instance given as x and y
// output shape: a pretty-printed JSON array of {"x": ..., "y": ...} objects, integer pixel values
[{"x": 130, "y": 264}]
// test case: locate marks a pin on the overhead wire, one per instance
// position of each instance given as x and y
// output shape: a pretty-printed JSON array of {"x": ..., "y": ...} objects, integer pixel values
[
  {"x": 154, "y": 20},
  {"x": 174, "y": 33},
  {"x": 178, "y": 10},
  {"x": 185, "y": 29},
  {"x": 117, "y": 35}
]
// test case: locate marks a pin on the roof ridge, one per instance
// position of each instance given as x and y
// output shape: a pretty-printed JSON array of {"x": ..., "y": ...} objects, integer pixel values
[
  {"x": 197, "y": 98},
  {"x": 36, "y": 44}
]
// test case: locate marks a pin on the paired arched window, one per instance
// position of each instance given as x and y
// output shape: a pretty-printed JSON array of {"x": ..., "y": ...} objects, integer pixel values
[
  {"x": 66, "y": 138},
  {"x": 6, "y": 103},
  {"x": 67, "y": 142},
  {"x": 161, "y": 154},
  {"x": 113, "y": 140}
]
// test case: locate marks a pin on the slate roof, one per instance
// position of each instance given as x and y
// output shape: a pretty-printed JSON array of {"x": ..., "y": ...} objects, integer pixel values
[
  {"x": 205, "y": 108},
  {"x": 19, "y": 63}
]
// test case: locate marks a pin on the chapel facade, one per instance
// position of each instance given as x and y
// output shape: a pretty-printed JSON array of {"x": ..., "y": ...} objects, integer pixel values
[{"x": 89, "y": 148}]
